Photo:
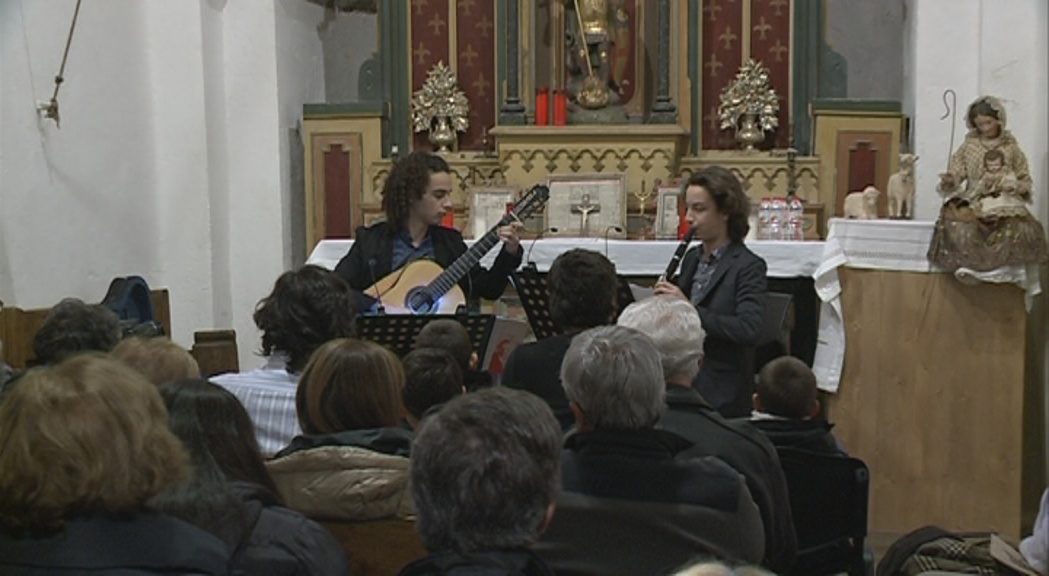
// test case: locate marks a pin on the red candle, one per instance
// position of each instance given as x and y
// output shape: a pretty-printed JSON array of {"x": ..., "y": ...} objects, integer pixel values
[
  {"x": 682, "y": 225},
  {"x": 449, "y": 219},
  {"x": 560, "y": 108},
  {"x": 542, "y": 107}
]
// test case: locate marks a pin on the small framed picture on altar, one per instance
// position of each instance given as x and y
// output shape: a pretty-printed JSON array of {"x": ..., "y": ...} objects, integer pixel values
[
  {"x": 581, "y": 205},
  {"x": 487, "y": 207},
  {"x": 667, "y": 217}
]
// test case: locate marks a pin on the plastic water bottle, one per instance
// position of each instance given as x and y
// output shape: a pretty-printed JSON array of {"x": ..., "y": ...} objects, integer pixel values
[
  {"x": 775, "y": 219},
  {"x": 764, "y": 216},
  {"x": 796, "y": 211}
]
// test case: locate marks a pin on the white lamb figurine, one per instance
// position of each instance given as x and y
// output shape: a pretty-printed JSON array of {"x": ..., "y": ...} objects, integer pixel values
[
  {"x": 862, "y": 205},
  {"x": 900, "y": 189}
]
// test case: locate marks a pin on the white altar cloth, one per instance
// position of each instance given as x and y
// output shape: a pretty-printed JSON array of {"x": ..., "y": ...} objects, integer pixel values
[
  {"x": 631, "y": 257},
  {"x": 882, "y": 245}
]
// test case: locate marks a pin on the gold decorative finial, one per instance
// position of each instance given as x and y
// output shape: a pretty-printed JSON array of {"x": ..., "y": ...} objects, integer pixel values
[
  {"x": 440, "y": 107},
  {"x": 749, "y": 99}
]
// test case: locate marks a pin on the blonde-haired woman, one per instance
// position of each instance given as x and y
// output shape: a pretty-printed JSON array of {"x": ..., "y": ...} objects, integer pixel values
[{"x": 83, "y": 445}]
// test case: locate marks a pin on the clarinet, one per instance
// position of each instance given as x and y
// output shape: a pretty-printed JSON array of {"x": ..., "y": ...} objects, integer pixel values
[{"x": 678, "y": 254}]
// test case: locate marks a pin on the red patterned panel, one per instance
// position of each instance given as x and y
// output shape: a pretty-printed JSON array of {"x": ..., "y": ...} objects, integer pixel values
[
  {"x": 429, "y": 42},
  {"x": 721, "y": 54},
  {"x": 770, "y": 45},
  {"x": 475, "y": 27},
  {"x": 337, "y": 192}
]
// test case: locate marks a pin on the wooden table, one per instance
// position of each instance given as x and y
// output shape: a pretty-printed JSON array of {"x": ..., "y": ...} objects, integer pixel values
[{"x": 936, "y": 399}]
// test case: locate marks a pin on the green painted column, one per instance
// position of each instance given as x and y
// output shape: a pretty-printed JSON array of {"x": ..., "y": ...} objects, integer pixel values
[
  {"x": 395, "y": 56},
  {"x": 694, "y": 71},
  {"x": 663, "y": 109},
  {"x": 808, "y": 38},
  {"x": 512, "y": 111}
]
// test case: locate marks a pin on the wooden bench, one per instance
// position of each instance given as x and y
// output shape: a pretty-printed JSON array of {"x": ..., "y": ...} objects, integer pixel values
[
  {"x": 214, "y": 350},
  {"x": 379, "y": 547},
  {"x": 18, "y": 327}
]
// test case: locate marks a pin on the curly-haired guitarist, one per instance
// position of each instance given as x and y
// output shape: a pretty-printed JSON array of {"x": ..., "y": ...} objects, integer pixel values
[{"x": 415, "y": 198}]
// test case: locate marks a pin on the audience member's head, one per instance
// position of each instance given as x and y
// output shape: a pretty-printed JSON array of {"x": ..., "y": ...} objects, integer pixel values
[
  {"x": 451, "y": 336},
  {"x": 583, "y": 286},
  {"x": 88, "y": 435},
  {"x": 72, "y": 327},
  {"x": 431, "y": 378},
  {"x": 306, "y": 308},
  {"x": 787, "y": 388},
  {"x": 216, "y": 430},
  {"x": 220, "y": 439},
  {"x": 502, "y": 447},
  {"x": 350, "y": 385},
  {"x": 613, "y": 379},
  {"x": 158, "y": 359},
  {"x": 674, "y": 326},
  {"x": 710, "y": 568}
]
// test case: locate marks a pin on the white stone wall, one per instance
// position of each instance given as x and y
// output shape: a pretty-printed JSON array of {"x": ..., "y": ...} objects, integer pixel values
[
  {"x": 174, "y": 159},
  {"x": 982, "y": 47}
]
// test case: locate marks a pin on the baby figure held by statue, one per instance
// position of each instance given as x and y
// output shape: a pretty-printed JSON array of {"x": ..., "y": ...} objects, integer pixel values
[{"x": 999, "y": 192}]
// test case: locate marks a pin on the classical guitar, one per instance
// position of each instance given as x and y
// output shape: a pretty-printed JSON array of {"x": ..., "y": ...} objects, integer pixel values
[{"x": 423, "y": 287}]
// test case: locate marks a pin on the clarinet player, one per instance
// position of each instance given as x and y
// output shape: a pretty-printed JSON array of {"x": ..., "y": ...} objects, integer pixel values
[{"x": 726, "y": 283}]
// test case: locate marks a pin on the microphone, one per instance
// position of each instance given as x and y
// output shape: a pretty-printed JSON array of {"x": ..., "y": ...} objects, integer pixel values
[
  {"x": 528, "y": 255},
  {"x": 617, "y": 230},
  {"x": 681, "y": 248},
  {"x": 380, "y": 309}
]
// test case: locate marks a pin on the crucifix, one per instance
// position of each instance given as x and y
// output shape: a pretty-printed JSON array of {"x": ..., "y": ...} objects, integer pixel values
[{"x": 584, "y": 208}]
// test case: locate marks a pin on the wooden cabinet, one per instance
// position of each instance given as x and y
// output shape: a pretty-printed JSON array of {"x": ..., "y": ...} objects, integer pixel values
[
  {"x": 341, "y": 142},
  {"x": 858, "y": 144}
]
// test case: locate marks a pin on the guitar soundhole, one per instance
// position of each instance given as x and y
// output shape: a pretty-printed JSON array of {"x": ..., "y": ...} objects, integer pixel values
[{"x": 420, "y": 301}]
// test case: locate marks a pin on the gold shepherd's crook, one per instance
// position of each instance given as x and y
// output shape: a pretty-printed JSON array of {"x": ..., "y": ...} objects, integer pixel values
[{"x": 582, "y": 37}]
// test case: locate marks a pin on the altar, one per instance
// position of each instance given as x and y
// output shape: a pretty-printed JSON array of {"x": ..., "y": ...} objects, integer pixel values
[
  {"x": 632, "y": 258},
  {"x": 791, "y": 266}
]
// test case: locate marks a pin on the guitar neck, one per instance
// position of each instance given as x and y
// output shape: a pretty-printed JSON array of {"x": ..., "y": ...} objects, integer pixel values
[{"x": 462, "y": 266}]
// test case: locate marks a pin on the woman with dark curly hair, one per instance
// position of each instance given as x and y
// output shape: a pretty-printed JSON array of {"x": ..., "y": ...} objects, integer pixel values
[
  {"x": 415, "y": 198},
  {"x": 306, "y": 308},
  {"x": 726, "y": 283}
]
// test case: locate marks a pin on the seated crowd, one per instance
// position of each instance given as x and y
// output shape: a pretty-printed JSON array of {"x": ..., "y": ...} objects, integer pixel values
[
  {"x": 116, "y": 455},
  {"x": 596, "y": 453},
  {"x": 257, "y": 470}
]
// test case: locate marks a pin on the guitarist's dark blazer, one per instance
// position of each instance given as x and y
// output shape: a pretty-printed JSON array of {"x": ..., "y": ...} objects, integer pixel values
[
  {"x": 732, "y": 309},
  {"x": 374, "y": 245}
]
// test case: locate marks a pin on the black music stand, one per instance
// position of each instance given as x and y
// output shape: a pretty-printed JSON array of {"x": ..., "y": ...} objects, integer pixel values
[
  {"x": 531, "y": 289},
  {"x": 398, "y": 331}
]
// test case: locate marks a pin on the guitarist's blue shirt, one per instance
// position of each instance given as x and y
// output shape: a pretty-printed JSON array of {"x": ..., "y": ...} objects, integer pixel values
[{"x": 404, "y": 251}]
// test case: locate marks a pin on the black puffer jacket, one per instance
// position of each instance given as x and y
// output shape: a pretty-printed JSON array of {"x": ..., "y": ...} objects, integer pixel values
[
  {"x": 143, "y": 544},
  {"x": 283, "y": 542}
]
